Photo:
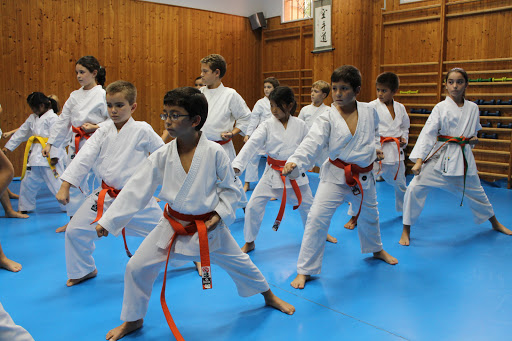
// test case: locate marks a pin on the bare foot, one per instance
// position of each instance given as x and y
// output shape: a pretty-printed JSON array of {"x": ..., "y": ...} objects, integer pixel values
[
  {"x": 386, "y": 257},
  {"x": 247, "y": 186},
  {"x": 351, "y": 224},
  {"x": 198, "y": 268},
  {"x": 405, "y": 239},
  {"x": 12, "y": 195},
  {"x": 72, "y": 282},
  {"x": 62, "y": 229},
  {"x": 300, "y": 281},
  {"x": 496, "y": 225},
  {"x": 158, "y": 199},
  {"x": 124, "y": 329},
  {"x": 331, "y": 239},
  {"x": 9, "y": 264},
  {"x": 273, "y": 199},
  {"x": 277, "y": 303},
  {"x": 15, "y": 214},
  {"x": 248, "y": 247}
]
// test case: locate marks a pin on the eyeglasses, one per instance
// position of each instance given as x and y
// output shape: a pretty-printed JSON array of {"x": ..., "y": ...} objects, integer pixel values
[{"x": 173, "y": 117}]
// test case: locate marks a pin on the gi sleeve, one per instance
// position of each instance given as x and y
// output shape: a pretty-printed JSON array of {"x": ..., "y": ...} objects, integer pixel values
[
  {"x": 428, "y": 136},
  {"x": 227, "y": 189},
  {"x": 251, "y": 148},
  {"x": 240, "y": 112},
  {"x": 21, "y": 135}
]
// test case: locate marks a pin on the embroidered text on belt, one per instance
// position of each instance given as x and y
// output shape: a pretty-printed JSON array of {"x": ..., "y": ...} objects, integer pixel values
[
  {"x": 80, "y": 134},
  {"x": 462, "y": 142},
  {"x": 100, "y": 203},
  {"x": 352, "y": 172},
  {"x": 397, "y": 141},
  {"x": 42, "y": 141},
  {"x": 198, "y": 226},
  {"x": 278, "y": 166},
  {"x": 223, "y": 142}
]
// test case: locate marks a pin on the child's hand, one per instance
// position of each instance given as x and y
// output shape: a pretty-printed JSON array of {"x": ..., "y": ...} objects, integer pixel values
[
  {"x": 473, "y": 141},
  {"x": 5, "y": 150},
  {"x": 246, "y": 138},
  {"x": 416, "y": 169},
  {"x": 46, "y": 150},
  {"x": 403, "y": 141},
  {"x": 89, "y": 127},
  {"x": 8, "y": 134},
  {"x": 237, "y": 171},
  {"x": 211, "y": 223},
  {"x": 226, "y": 136},
  {"x": 288, "y": 168},
  {"x": 54, "y": 161},
  {"x": 62, "y": 195},
  {"x": 100, "y": 231},
  {"x": 380, "y": 155}
]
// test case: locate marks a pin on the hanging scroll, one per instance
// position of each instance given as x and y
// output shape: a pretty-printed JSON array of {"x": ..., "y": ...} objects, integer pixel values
[{"x": 322, "y": 29}]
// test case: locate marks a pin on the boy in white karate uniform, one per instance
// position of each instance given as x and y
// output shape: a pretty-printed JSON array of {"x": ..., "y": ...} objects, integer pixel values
[
  {"x": 350, "y": 132},
  {"x": 444, "y": 159},
  {"x": 394, "y": 126},
  {"x": 260, "y": 113},
  {"x": 37, "y": 170},
  {"x": 319, "y": 92},
  {"x": 117, "y": 150},
  {"x": 198, "y": 183}
]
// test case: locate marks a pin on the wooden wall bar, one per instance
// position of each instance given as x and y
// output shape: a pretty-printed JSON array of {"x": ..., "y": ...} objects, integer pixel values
[{"x": 157, "y": 47}]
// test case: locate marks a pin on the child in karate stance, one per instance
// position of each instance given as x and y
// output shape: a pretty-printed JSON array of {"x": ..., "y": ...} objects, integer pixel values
[
  {"x": 394, "y": 134},
  {"x": 350, "y": 132},
  {"x": 260, "y": 113},
  {"x": 279, "y": 136},
  {"x": 83, "y": 113},
  {"x": 117, "y": 150},
  {"x": 197, "y": 182},
  {"x": 37, "y": 169},
  {"x": 444, "y": 160}
]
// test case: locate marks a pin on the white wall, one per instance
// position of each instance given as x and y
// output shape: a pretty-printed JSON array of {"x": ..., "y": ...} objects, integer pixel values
[{"x": 244, "y": 8}]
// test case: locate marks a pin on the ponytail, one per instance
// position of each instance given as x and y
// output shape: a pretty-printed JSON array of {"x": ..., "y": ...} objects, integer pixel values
[{"x": 92, "y": 64}]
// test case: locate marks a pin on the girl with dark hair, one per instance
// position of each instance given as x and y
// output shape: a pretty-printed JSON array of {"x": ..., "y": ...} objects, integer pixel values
[
  {"x": 36, "y": 168},
  {"x": 444, "y": 159},
  {"x": 83, "y": 113}
]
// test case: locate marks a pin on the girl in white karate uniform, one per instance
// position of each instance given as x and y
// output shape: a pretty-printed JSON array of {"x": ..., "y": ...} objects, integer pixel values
[
  {"x": 83, "y": 113},
  {"x": 441, "y": 152},
  {"x": 260, "y": 113},
  {"x": 38, "y": 170},
  {"x": 197, "y": 179}
]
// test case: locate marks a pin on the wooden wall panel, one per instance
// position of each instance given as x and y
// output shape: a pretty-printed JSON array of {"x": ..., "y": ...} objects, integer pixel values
[{"x": 157, "y": 47}]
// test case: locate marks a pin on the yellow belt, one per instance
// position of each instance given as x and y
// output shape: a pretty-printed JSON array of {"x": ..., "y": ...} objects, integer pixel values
[{"x": 42, "y": 141}]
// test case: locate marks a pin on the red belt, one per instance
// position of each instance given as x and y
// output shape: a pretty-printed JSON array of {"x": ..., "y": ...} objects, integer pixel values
[
  {"x": 352, "y": 172},
  {"x": 278, "y": 166},
  {"x": 198, "y": 226},
  {"x": 222, "y": 142},
  {"x": 80, "y": 134},
  {"x": 100, "y": 203},
  {"x": 397, "y": 141}
]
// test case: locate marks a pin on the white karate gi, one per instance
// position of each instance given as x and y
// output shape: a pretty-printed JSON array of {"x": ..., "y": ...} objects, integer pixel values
[
  {"x": 117, "y": 155},
  {"x": 260, "y": 113},
  {"x": 387, "y": 168},
  {"x": 208, "y": 186},
  {"x": 38, "y": 170},
  {"x": 10, "y": 331},
  {"x": 226, "y": 110},
  {"x": 279, "y": 143},
  {"x": 331, "y": 130},
  {"x": 445, "y": 170},
  {"x": 82, "y": 106},
  {"x": 309, "y": 114}
]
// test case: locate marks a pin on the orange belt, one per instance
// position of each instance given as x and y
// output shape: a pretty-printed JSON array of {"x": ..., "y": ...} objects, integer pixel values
[
  {"x": 352, "y": 172},
  {"x": 278, "y": 166},
  {"x": 397, "y": 141},
  {"x": 198, "y": 226},
  {"x": 101, "y": 200},
  {"x": 222, "y": 142},
  {"x": 80, "y": 134}
]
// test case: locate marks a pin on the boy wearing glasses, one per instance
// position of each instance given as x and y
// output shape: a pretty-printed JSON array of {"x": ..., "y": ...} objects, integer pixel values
[
  {"x": 116, "y": 149},
  {"x": 198, "y": 184}
]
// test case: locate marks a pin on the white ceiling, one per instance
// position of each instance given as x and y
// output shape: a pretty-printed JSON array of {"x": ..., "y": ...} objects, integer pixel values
[{"x": 270, "y": 8}]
